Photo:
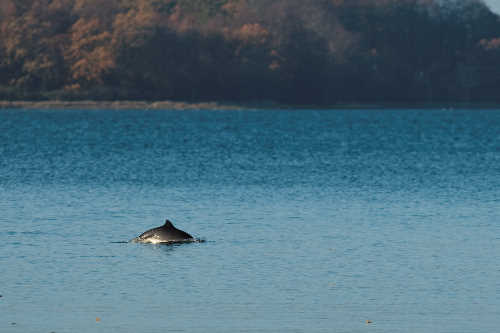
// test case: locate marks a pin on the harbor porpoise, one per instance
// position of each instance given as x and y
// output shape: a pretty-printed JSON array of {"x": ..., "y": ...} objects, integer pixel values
[{"x": 167, "y": 233}]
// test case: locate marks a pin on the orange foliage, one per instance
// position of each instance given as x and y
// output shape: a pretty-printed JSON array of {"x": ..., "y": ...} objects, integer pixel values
[
  {"x": 252, "y": 33},
  {"x": 32, "y": 44},
  {"x": 105, "y": 10},
  {"x": 90, "y": 55},
  {"x": 132, "y": 28},
  {"x": 245, "y": 48}
]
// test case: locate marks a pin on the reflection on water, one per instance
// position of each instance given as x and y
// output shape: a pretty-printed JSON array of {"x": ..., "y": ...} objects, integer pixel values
[{"x": 314, "y": 221}]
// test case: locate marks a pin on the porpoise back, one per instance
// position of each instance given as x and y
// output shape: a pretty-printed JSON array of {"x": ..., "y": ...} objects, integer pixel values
[{"x": 167, "y": 233}]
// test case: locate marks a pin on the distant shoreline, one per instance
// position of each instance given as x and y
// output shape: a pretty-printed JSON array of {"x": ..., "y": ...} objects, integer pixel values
[
  {"x": 177, "y": 105},
  {"x": 117, "y": 105}
]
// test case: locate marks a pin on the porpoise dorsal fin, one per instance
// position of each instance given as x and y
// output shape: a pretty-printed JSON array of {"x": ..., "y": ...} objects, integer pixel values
[{"x": 168, "y": 224}]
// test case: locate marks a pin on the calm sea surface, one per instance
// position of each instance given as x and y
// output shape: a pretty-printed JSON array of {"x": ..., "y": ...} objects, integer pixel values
[{"x": 314, "y": 221}]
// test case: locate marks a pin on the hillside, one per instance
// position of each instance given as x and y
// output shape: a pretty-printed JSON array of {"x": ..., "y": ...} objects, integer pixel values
[{"x": 285, "y": 51}]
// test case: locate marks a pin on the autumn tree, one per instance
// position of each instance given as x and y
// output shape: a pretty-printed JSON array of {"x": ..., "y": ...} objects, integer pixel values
[
  {"x": 291, "y": 51},
  {"x": 33, "y": 42},
  {"x": 89, "y": 56}
]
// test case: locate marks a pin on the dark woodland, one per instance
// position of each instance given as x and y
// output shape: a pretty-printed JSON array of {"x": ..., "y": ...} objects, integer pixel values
[{"x": 297, "y": 52}]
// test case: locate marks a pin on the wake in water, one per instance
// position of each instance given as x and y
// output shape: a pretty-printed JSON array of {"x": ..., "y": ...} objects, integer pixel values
[
  {"x": 193, "y": 240},
  {"x": 167, "y": 242}
]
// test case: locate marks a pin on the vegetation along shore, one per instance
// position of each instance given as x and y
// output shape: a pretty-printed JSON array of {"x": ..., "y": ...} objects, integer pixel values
[
  {"x": 176, "y": 105},
  {"x": 118, "y": 105},
  {"x": 291, "y": 52}
]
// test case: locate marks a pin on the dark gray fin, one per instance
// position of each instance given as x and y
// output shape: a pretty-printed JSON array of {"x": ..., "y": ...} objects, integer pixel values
[{"x": 168, "y": 224}]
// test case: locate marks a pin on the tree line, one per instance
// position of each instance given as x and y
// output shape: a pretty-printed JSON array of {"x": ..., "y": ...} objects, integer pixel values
[{"x": 318, "y": 52}]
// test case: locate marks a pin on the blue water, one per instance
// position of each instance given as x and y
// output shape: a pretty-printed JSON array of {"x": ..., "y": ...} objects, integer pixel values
[{"x": 314, "y": 221}]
